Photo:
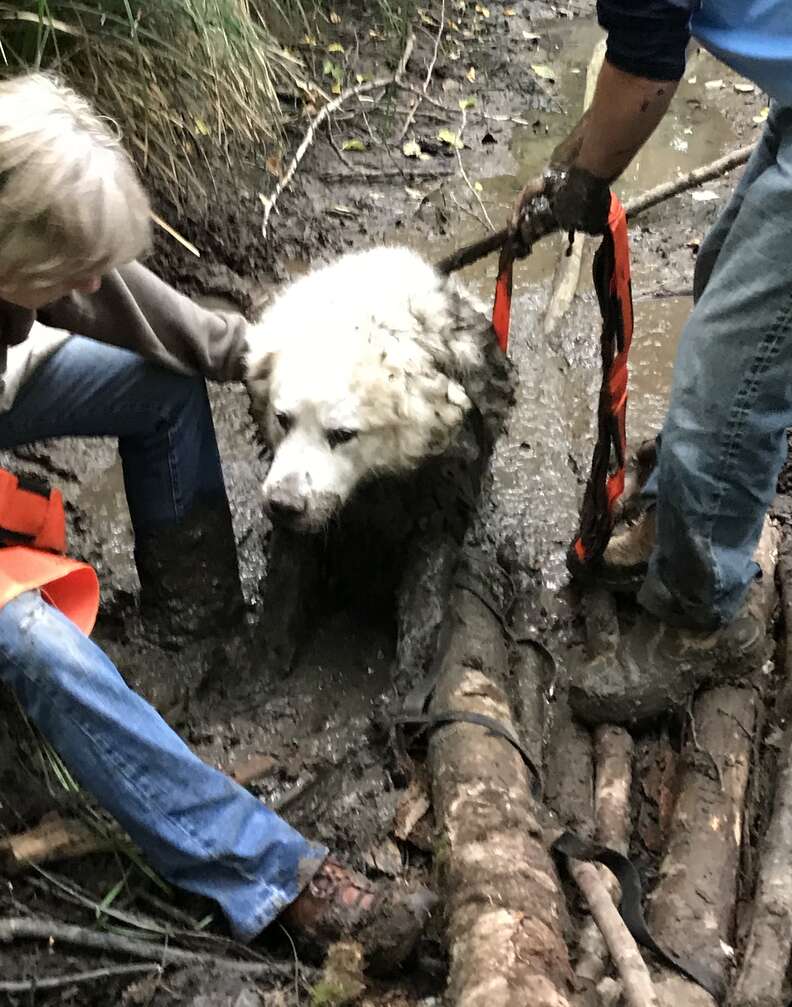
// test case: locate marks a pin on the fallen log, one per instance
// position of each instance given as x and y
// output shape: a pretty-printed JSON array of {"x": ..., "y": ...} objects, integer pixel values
[
  {"x": 692, "y": 907},
  {"x": 505, "y": 910},
  {"x": 567, "y": 274},
  {"x": 614, "y": 752},
  {"x": 762, "y": 980}
]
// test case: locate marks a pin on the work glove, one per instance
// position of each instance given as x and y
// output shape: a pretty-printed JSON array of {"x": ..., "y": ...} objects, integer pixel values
[{"x": 579, "y": 200}]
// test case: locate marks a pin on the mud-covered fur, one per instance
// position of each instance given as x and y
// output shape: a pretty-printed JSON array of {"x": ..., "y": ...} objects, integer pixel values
[
  {"x": 379, "y": 345},
  {"x": 364, "y": 367}
]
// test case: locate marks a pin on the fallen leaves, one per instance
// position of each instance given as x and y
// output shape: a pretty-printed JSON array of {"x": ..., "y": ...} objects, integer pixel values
[
  {"x": 353, "y": 144},
  {"x": 451, "y": 138},
  {"x": 411, "y": 148},
  {"x": 703, "y": 195},
  {"x": 543, "y": 71}
]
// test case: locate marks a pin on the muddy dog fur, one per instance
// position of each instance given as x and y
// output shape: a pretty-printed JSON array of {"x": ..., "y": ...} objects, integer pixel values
[{"x": 392, "y": 543}]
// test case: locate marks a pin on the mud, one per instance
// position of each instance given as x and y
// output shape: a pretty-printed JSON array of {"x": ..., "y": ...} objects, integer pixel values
[{"x": 323, "y": 724}]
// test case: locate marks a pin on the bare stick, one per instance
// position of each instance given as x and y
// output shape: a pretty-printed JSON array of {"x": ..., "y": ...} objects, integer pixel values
[
  {"x": 419, "y": 97},
  {"x": 14, "y": 928},
  {"x": 325, "y": 111},
  {"x": 476, "y": 250},
  {"x": 55, "y": 982},
  {"x": 463, "y": 173},
  {"x": 567, "y": 274},
  {"x": 638, "y": 988}
]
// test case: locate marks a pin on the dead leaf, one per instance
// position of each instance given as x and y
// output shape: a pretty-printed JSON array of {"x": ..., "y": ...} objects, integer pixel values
[
  {"x": 478, "y": 186},
  {"x": 704, "y": 195},
  {"x": 411, "y": 808},
  {"x": 336, "y": 87},
  {"x": 509, "y": 12},
  {"x": 529, "y": 36},
  {"x": 353, "y": 145},
  {"x": 481, "y": 9},
  {"x": 450, "y": 137},
  {"x": 257, "y": 765},
  {"x": 471, "y": 75},
  {"x": 335, "y": 47},
  {"x": 413, "y": 193},
  {"x": 201, "y": 127},
  {"x": 692, "y": 80},
  {"x": 758, "y": 119},
  {"x": 411, "y": 148},
  {"x": 543, "y": 70},
  {"x": 385, "y": 857},
  {"x": 343, "y": 211},
  {"x": 335, "y": 17},
  {"x": 467, "y": 103},
  {"x": 309, "y": 40},
  {"x": 714, "y": 85},
  {"x": 744, "y": 87}
]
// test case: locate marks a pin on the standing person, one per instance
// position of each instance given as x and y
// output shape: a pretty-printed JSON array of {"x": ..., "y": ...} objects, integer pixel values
[{"x": 724, "y": 438}]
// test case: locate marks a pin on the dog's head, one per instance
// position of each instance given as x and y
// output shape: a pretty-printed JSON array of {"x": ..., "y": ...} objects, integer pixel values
[{"x": 364, "y": 366}]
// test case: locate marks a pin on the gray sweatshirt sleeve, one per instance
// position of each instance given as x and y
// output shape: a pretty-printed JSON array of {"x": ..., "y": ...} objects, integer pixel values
[{"x": 136, "y": 310}]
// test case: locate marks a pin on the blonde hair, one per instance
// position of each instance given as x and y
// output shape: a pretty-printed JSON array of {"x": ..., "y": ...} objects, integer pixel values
[{"x": 71, "y": 204}]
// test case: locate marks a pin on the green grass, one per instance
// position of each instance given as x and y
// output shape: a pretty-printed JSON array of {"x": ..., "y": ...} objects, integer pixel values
[
  {"x": 184, "y": 79},
  {"x": 178, "y": 76}
]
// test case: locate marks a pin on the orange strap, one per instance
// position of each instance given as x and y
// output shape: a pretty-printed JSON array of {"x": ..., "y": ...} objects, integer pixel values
[
  {"x": 31, "y": 514},
  {"x": 501, "y": 309},
  {"x": 33, "y": 532},
  {"x": 606, "y": 482}
]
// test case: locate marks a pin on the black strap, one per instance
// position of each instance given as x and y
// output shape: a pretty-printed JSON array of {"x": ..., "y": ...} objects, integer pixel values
[{"x": 631, "y": 909}]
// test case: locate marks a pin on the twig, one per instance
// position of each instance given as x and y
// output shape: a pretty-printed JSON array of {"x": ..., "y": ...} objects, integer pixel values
[
  {"x": 419, "y": 97},
  {"x": 476, "y": 250},
  {"x": 55, "y": 982},
  {"x": 166, "y": 227},
  {"x": 326, "y": 110},
  {"x": 383, "y": 174},
  {"x": 567, "y": 274},
  {"x": 638, "y": 988},
  {"x": 463, "y": 173},
  {"x": 36, "y": 928}
]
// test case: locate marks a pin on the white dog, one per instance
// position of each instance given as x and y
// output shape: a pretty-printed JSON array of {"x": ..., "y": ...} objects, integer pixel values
[{"x": 365, "y": 366}]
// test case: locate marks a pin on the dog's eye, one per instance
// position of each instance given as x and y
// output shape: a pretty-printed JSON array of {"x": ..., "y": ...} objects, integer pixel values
[
  {"x": 284, "y": 421},
  {"x": 340, "y": 436}
]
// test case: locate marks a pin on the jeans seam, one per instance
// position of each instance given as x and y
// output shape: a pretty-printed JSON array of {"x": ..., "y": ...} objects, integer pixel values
[{"x": 766, "y": 351}]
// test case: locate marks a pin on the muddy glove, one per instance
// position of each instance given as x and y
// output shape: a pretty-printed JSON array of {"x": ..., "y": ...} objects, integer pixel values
[{"x": 579, "y": 200}]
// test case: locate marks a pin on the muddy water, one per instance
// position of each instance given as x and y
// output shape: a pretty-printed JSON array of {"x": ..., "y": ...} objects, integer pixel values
[{"x": 540, "y": 468}]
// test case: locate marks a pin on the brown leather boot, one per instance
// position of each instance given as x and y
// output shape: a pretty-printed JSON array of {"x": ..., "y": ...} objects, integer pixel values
[{"x": 337, "y": 903}]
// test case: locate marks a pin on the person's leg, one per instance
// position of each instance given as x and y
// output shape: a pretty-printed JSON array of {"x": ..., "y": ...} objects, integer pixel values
[
  {"x": 196, "y": 827},
  {"x": 724, "y": 440},
  {"x": 184, "y": 543},
  {"x": 162, "y": 420}
]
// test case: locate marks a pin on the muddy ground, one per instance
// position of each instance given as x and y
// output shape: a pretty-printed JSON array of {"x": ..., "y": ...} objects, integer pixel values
[{"x": 322, "y": 726}]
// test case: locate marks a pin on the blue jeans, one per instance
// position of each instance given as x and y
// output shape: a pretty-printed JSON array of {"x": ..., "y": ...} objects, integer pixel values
[
  {"x": 723, "y": 442},
  {"x": 162, "y": 420},
  {"x": 196, "y": 827}
]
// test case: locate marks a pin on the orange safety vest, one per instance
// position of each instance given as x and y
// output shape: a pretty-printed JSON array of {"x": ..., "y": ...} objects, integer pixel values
[{"x": 33, "y": 540}]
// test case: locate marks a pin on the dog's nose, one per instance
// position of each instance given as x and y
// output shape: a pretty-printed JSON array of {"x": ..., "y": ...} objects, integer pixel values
[{"x": 285, "y": 506}]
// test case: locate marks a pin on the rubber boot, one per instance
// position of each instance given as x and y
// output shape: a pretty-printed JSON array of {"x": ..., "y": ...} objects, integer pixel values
[{"x": 189, "y": 577}]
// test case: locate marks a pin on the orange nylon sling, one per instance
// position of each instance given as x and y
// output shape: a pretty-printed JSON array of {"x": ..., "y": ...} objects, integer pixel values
[
  {"x": 606, "y": 481},
  {"x": 33, "y": 539}
]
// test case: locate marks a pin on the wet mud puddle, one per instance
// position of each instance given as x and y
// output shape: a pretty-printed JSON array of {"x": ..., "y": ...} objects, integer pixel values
[{"x": 541, "y": 465}]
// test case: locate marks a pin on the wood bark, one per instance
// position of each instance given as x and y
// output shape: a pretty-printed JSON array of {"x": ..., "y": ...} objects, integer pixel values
[
  {"x": 763, "y": 977},
  {"x": 505, "y": 910},
  {"x": 692, "y": 907}
]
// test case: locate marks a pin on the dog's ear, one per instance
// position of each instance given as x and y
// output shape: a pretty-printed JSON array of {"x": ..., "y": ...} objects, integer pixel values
[{"x": 258, "y": 363}]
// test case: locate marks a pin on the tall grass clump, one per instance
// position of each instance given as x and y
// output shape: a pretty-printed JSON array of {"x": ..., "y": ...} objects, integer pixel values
[{"x": 183, "y": 79}]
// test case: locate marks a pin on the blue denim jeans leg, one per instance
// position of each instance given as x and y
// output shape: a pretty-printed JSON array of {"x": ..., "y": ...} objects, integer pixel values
[
  {"x": 724, "y": 439},
  {"x": 162, "y": 420},
  {"x": 195, "y": 826}
]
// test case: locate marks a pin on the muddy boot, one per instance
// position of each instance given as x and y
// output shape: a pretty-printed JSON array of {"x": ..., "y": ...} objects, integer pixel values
[
  {"x": 386, "y": 919},
  {"x": 189, "y": 577},
  {"x": 654, "y": 668}
]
